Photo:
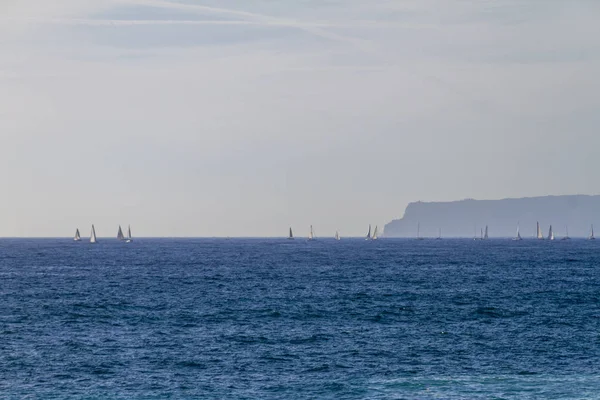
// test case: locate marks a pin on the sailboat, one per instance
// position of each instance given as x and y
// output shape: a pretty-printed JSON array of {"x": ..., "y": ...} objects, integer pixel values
[
  {"x": 550, "y": 234},
  {"x": 129, "y": 239},
  {"x": 566, "y": 237},
  {"x": 375, "y": 234},
  {"x": 419, "y": 231},
  {"x": 485, "y": 237},
  {"x": 93, "y": 235},
  {"x": 77, "y": 237},
  {"x": 120, "y": 235},
  {"x": 369, "y": 233},
  {"x": 337, "y": 236},
  {"x": 592, "y": 237},
  {"x": 311, "y": 235},
  {"x": 439, "y": 235},
  {"x": 539, "y": 233},
  {"x": 518, "y": 237},
  {"x": 291, "y": 235}
]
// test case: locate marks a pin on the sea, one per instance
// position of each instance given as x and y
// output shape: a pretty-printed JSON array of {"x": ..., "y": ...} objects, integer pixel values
[{"x": 298, "y": 319}]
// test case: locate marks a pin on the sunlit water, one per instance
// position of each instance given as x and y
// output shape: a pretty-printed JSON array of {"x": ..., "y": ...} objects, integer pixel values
[{"x": 251, "y": 318}]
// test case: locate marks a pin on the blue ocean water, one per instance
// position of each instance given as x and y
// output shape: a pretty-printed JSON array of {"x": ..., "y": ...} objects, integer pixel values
[{"x": 260, "y": 319}]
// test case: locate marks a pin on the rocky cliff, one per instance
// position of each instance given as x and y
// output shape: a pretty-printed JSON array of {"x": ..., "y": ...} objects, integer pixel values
[{"x": 463, "y": 218}]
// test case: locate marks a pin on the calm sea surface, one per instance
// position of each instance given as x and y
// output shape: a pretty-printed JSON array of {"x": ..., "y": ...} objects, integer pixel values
[{"x": 256, "y": 319}]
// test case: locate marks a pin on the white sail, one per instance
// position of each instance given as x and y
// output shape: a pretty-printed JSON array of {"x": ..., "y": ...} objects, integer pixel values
[
  {"x": 337, "y": 235},
  {"x": 518, "y": 237},
  {"x": 592, "y": 237},
  {"x": 77, "y": 237},
  {"x": 439, "y": 234},
  {"x": 369, "y": 233},
  {"x": 311, "y": 235},
  {"x": 129, "y": 238},
  {"x": 93, "y": 235},
  {"x": 291, "y": 235},
  {"x": 120, "y": 235},
  {"x": 485, "y": 237},
  {"x": 375, "y": 233},
  {"x": 539, "y": 233},
  {"x": 550, "y": 234}
]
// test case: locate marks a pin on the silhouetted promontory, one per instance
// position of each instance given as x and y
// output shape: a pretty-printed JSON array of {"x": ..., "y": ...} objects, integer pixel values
[{"x": 465, "y": 218}]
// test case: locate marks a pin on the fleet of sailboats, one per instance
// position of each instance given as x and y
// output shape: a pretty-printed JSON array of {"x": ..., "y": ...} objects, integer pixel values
[{"x": 484, "y": 234}]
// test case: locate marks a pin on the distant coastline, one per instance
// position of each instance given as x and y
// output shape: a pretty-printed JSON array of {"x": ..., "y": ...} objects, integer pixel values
[{"x": 465, "y": 218}]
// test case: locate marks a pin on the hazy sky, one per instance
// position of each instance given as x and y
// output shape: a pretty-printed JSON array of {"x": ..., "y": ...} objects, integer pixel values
[{"x": 243, "y": 117}]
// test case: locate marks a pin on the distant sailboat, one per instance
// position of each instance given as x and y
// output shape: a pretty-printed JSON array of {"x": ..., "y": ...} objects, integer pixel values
[
  {"x": 566, "y": 237},
  {"x": 375, "y": 234},
  {"x": 369, "y": 233},
  {"x": 592, "y": 237},
  {"x": 419, "y": 231},
  {"x": 129, "y": 239},
  {"x": 485, "y": 236},
  {"x": 439, "y": 235},
  {"x": 291, "y": 235},
  {"x": 518, "y": 237},
  {"x": 120, "y": 235},
  {"x": 550, "y": 234},
  {"x": 539, "y": 233},
  {"x": 93, "y": 235},
  {"x": 480, "y": 233},
  {"x": 337, "y": 236},
  {"x": 77, "y": 237},
  {"x": 311, "y": 235}
]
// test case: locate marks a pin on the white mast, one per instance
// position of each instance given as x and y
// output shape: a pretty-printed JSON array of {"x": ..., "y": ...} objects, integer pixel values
[
  {"x": 311, "y": 235},
  {"x": 129, "y": 238},
  {"x": 93, "y": 235},
  {"x": 337, "y": 236}
]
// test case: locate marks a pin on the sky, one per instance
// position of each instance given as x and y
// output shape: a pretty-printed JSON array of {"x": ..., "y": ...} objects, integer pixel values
[{"x": 246, "y": 117}]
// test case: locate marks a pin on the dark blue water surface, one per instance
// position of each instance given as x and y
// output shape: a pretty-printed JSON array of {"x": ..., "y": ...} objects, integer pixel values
[{"x": 254, "y": 319}]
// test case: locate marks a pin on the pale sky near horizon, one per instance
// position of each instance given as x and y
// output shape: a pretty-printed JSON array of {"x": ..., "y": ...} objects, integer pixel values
[{"x": 241, "y": 118}]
